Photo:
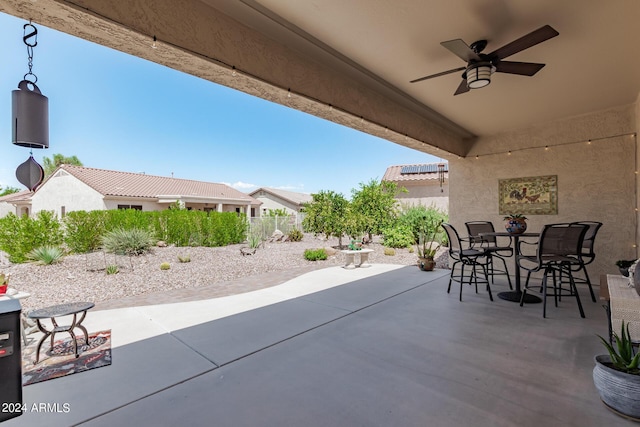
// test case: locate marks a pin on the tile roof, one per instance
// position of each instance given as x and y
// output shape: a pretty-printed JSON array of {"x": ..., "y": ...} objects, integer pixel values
[
  {"x": 425, "y": 171},
  {"x": 291, "y": 196},
  {"x": 15, "y": 197},
  {"x": 128, "y": 184}
]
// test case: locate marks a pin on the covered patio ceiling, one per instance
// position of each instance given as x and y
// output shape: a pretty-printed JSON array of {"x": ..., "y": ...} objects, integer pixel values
[{"x": 352, "y": 62}]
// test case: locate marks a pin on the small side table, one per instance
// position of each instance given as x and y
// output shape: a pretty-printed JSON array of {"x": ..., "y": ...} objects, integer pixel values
[{"x": 69, "y": 309}]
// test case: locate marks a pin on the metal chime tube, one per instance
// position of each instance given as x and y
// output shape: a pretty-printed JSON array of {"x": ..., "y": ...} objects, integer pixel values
[{"x": 30, "y": 116}]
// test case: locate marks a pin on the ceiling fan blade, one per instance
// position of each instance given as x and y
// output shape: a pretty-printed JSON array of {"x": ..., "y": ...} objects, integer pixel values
[
  {"x": 461, "y": 49},
  {"x": 525, "y": 42},
  {"x": 444, "y": 73},
  {"x": 522, "y": 68},
  {"x": 463, "y": 88}
]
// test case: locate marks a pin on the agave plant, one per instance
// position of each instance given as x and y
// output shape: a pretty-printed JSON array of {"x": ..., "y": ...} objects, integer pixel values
[
  {"x": 622, "y": 357},
  {"x": 46, "y": 255}
]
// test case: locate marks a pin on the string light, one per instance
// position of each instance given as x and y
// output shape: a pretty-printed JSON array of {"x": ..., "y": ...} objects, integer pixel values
[
  {"x": 233, "y": 71},
  {"x": 153, "y": 46},
  {"x": 548, "y": 147},
  {"x": 289, "y": 93}
]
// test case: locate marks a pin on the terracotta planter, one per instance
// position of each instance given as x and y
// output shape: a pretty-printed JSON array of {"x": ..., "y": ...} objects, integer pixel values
[
  {"x": 618, "y": 390},
  {"x": 515, "y": 225},
  {"x": 426, "y": 264}
]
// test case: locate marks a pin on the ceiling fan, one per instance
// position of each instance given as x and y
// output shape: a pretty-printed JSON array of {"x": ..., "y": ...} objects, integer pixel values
[{"x": 481, "y": 66}]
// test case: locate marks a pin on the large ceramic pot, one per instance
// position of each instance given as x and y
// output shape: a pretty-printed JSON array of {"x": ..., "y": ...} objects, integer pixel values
[
  {"x": 426, "y": 264},
  {"x": 515, "y": 225},
  {"x": 618, "y": 390}
]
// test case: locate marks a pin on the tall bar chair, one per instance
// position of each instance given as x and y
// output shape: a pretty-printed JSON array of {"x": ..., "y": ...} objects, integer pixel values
[
  {"x": 555, "y": 254},
  {"x": 466, "y": 257},
  {"x": 490, "y": 245}
]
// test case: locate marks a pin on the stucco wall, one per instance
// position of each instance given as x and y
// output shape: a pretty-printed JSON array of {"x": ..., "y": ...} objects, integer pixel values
[
  {"x": 66, "y": 190},
  {"x": 270, "y": 201},
  {"x": 596, "y": 181},
  {"x": 425, "y": 195}
]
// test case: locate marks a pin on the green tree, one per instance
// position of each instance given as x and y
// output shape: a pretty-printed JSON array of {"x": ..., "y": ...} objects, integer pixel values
[
  {"x": 327, "y": 214},
  {"x": 56, "y": 160},
  {"x": 8, "y": 190},
  {"x": 375, "y": 206}
]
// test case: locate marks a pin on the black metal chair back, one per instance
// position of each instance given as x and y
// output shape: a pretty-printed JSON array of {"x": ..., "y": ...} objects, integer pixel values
[{"x": 474, "y": 228}]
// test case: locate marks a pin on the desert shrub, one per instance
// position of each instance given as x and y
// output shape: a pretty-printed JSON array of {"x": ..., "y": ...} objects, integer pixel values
[
  {"x": 21, "y": 235},
  {"x": 127, "y": 242},
  {"x": 389, "y": 251},
  {"x": 295, "y": 235},
  {"x": 84, "y": 230},
  {"x": 112, "y": 269},
  {"x": 398, "y": 236},
  {"x": 165, "y": 266},
  {"x": 315, "y": 254},
  {"x": 46, "y": 255},
  {"x": 184, "y": 259}
]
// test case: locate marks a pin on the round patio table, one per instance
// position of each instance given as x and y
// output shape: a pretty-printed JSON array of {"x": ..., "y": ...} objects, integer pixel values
[{"x": 68, "y": 309}]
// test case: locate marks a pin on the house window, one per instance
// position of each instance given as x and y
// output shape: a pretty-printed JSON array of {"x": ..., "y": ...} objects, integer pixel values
[{"x": 136, "y": 207}]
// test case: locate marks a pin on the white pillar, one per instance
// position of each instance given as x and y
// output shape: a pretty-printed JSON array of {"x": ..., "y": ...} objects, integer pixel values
[{"x": 219, "y": 207}]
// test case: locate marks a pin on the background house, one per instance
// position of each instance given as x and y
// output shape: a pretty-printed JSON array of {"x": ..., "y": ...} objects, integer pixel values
[
  {"x": 273, "y": 198},
  {"x": 426, "y": 185},
  {"x": 73, "y": 188},
  {"x": 16, "y": 203}
]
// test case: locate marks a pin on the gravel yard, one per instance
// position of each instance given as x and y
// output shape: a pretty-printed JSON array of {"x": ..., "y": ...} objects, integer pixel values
[{"x": 83, "y": 277}]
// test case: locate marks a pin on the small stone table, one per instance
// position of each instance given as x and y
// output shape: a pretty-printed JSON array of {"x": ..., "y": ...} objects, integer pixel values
[
  {"x": 350, "y": 258},
  {"x": 69, "y": 309}
]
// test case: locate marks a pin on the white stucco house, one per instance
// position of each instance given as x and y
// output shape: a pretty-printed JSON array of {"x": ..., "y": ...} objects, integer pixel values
[
  {"x": 427, "y": 184},
  {"x": 15, "y": 203},
  {"x": 273, "y": 198},
  {"x": 73, "y": 188}
]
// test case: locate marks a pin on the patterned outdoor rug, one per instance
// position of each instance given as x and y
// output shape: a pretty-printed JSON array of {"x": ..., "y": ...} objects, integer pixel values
[{"x": 61, "y": 360}]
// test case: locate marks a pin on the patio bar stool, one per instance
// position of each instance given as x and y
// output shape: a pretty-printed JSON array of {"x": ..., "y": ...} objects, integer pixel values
[
  {"x": 555, "y": 255},
  {"x": 587, "y": 254},
  {"x": 470, "y": 257},
  {"x": 490, "y": 245}
]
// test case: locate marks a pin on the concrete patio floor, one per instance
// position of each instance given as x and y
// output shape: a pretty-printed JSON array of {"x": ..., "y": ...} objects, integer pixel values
[{"x": 383, "y": 346}]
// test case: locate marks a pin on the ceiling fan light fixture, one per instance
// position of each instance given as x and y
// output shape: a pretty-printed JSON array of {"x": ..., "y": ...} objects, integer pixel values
[{"x": 479, "y": 75}]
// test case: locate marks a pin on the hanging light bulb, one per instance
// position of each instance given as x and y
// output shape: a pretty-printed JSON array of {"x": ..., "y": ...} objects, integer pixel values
[{"x": 29, "y": 108}]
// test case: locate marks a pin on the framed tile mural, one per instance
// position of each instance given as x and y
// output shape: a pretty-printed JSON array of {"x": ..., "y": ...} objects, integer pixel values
[{"x": 536, "y": 195}]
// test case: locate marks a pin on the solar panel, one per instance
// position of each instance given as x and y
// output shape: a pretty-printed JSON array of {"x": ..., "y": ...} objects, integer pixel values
[{"x": 416, "y": 169}]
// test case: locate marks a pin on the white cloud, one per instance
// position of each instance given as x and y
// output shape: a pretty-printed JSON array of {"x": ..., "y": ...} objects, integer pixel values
[
  {"x": 241, "y": 185},
  {"x": 289, "y": 187}
]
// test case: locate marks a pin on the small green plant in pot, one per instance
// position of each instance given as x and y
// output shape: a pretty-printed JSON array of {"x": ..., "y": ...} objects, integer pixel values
[
  {"x": 4, "y": 283},
  {"x": 616, "y": 375}
]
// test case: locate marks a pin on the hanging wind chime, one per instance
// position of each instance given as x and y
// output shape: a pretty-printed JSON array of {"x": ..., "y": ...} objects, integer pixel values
[
  {"x": 441, "y": 170},
  {"x": 30, "y": 116}
]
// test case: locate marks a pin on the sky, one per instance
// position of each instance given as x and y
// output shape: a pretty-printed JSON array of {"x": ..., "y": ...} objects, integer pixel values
[{"x": 119, "y": 112}]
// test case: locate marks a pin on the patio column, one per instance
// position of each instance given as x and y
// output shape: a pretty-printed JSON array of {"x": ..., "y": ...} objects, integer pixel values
[{"x": 219, "y": 207}]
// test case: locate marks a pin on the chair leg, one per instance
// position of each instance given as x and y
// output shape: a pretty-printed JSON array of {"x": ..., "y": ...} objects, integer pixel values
[
  {"x": 506, "y": 272},
  {"x": 573, "y": 286},
  {"x": 487, "y": 278},
  {"x": 461, "y": 280},
  {"x": 544, "y": 294},
  {"x": 453, "y": 269},
  {"x": 588, "y": 280}
]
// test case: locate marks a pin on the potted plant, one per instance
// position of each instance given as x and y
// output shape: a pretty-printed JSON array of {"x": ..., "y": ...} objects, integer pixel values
[
  {"x": 515, "y": 223},
  {"x": 4, "y": 283},
  {"x": 617, "y": 377},
  {"x": 426, "y": 251},
  {"x": 623, "y": 266}
]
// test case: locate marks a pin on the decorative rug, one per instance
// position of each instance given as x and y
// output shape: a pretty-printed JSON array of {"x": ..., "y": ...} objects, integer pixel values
[{"x": 61, "y": 360}]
